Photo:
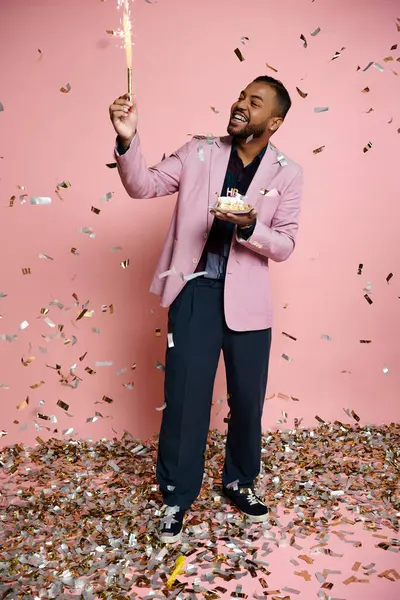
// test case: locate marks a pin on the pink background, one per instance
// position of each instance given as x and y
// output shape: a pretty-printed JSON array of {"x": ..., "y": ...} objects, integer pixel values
[{"x": 184, "y": 62}]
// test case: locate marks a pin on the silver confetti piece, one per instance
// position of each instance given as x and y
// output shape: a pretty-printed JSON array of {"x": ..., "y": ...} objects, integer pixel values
[
  {"x": 104, "y": 363},
  {"x": 320, "y": 109},
  {"x": 160, "y": 408},
  {"x": 385, "y": 370},
  {"x": 193, "y": 275},
  {"x": 49, "y": 322},
  {"x": 46, "y": 256},
  {"x": 106, "y": 198},
  {"x": 40, "y": 200},
  {"x": 160, "y": 366},
  {"x": 3, "y": 295},
  {"x": 286, "y": 357},
  {"x": 316, "y": 31},
  {"x": 200, "y": 153},
  {"x": 89, "y": 231},
  {"x": 325, "y": 336},
  {"x": 23, "y": 325},
  {"x": 115, "y": 248},
  {"x": 170, "y": 339}
]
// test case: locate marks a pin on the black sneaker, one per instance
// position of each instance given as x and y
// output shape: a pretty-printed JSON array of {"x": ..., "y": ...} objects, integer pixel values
[
  {"x": 248, "y": 503},
  {"x": 171, "y": 524}
]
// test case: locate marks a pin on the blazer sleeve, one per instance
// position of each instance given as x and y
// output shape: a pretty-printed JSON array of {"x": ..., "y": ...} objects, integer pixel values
[
  {"x": 277, "y": 242},
  {"x": 141, "y": 181}
]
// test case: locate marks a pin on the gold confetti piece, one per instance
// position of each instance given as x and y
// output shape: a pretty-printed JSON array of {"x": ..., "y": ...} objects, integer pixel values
[
  {"x": 367, "y": 147},
  {"x": 303, "y": 39},
  {"x": 3, "y": 432},
  {"x": 350, "y": 579},
  {"x": 215, "y": 110},
  {"x": 289, "y": 336},
  {"x": 90, "y": 371},
  {"x": 368, "y": 299},
  {"x": 302, "y": 94},
  {"x": 66, "y": 89},
  {"x": 321, "y": 109},
  {"x": 62, "y": 405},
  {"x": 81, "y": 314},
  {"x": 158, "y": 332},
  {"x": 46, "y": 256},
  {"x": 75, "y": 252},
  {"x": 360, "y": 268},
  {"x": 36, "y": 385},
  {"x": 129, "y": 386},
  {"x": 26, "y": 271},
  {"x": 81, "y": 358},
  {"x": 356, "y": 566},
  {"x": 63, "y": 185},
  {"x": 272, "y": 68},
  {"x": 125, "y": 263},
  {"x": 96, "y": 211},
  {"x": 365, "y": 341},
  {"x": 388, "y": 59},
  {"x": 239, "y": 54},
  {"x": 370, "y": 110},
  {"x": 244, "y": 39},
  {"x": 389, "y": 277},
  {"x": 179, "y": 565},
  {"x": 107, "y": 399},
  {"x": 385, "y": 370},
  {"x": 365, "y": 90},
  {"x": 306, "y": 558},
  {"x": 286, "y": 357},
  {"x": 111, "y": 165},
  {"x": 305, "y": 574},
  {"x": 316, "y": 31},
  {"x": 318, "y": 150},
  {"x": 111, "y": 307},
  {"x": 11, "y": 201},
  {"x": 23, "y": 404}
]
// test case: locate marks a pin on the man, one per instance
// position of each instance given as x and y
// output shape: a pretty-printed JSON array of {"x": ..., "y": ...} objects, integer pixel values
[{"x": 229, "y": 307}]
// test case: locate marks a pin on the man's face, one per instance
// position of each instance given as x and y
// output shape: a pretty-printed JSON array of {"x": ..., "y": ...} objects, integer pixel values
[{"x": 254, "y": 112}]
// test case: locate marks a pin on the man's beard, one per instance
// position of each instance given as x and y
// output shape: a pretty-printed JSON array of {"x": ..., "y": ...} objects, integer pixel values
[{"x": 249, "y": 130}]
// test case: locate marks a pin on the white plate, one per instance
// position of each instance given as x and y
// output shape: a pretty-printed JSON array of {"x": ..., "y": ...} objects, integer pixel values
[{"x": 231, "y": 212}]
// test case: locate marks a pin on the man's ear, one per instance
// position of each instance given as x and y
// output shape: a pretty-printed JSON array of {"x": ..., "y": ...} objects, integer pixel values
[{"x": 275, "y": 123}]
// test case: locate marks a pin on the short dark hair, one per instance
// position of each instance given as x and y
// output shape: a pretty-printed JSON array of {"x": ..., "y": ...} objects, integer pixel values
[{"x": 283, "y": 100}]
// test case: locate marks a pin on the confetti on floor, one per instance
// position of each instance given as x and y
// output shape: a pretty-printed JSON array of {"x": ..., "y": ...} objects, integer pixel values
[{"x": 79, "y": 520}]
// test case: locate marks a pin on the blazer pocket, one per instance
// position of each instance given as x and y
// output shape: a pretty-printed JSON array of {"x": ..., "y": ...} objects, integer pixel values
[{"x": 259, "y": 289}]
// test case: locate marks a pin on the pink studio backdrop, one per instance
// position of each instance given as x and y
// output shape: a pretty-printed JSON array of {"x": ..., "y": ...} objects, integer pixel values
[{"x": 184, "y": 63}]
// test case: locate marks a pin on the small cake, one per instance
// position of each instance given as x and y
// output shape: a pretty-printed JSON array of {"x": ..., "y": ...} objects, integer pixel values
[{"x": 235, "y": 203}]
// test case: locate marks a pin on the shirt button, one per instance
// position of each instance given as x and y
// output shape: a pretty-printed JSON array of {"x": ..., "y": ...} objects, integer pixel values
[{"x": 195, "y": 261}]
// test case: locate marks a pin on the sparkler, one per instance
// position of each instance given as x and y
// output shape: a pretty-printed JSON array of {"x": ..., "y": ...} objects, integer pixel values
[{"x": 127, "y": 35}]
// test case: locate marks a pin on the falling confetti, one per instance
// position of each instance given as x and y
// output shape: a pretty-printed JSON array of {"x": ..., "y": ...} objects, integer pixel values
[
  {"x": 244, "y": 39},
  {"x": 1, "y": 107},
  {"x": 272, "y": 68},
  {"x": 289, "y": 336},
  {"x": 360, "y": 268},
  {"x": 337, "y": 54},
  {"x": 373, "y": 64},
  {"x": 367, "y": 147},
  {"x": 160, "y": 366},
  {"x": 368, "y": 299},
  {"x": 365, "y": 90},
  {"x": 239, "y": 54},
  {"x": 327, "y": 337},
  {"x": 40, "y": 200},
  {"x": 216, "y": 111},
  {"x": 303, "y": 39},
  {"x": 385, "y": 370},
  {"x": 318, "y": 150},
  {"x": 316, "y": 31},
  {"x": 320, "y": 109},
  {"x": 286, "y": 357},
  {"x": 389, "y": 277},
  {"x": 95, "y": 210},
  {"x": 26, "y": 271},
  {"x": 66, "y": 89},
  {"x": 112, "y": 165},
  {"x": 161, "y": 408},
  {"x": 125, "y": 263},
  {"x": 302, "y": 94}
]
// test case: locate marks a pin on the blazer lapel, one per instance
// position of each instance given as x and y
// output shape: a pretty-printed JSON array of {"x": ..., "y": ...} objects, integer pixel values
[
  {"x": 220, "y": 153},
  {"x": 267, "y": 169}
]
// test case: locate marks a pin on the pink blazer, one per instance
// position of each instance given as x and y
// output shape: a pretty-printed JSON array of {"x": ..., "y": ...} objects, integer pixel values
[{"x": 197, "y": 171}]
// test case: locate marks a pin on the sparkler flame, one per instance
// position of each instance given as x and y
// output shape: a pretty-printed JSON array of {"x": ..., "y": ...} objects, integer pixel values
[{"x": 127, "y": 31}]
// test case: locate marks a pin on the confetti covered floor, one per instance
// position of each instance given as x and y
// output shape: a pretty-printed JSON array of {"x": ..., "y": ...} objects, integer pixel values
[{"x": 78, "y": 520}]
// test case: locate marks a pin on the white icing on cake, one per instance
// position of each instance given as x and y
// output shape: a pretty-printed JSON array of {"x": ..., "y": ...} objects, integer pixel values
[{"x": 232, "y": 203}]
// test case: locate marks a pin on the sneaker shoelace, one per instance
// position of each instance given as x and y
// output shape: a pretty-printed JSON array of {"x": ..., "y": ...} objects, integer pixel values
[
  {"x": 169, "y": 516},
  {"x": 252, "y": 498}
]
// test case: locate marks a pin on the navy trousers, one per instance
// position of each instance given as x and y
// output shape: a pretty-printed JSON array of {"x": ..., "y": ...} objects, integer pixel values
[{"x": 197, "y": 324}]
